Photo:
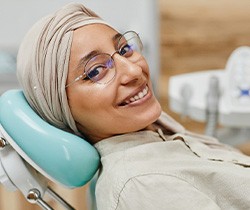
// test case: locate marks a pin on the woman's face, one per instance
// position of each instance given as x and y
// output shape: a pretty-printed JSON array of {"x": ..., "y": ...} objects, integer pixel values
[{"x": 105, "y": 110}]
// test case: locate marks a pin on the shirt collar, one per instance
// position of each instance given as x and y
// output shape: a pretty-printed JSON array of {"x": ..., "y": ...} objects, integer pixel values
[
  {"x": 126, "y": 141},
  {"x": 129, "y": 140}
]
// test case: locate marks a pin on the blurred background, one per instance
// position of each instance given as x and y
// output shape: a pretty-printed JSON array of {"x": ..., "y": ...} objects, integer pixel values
[{"x": 180, "y": 36}]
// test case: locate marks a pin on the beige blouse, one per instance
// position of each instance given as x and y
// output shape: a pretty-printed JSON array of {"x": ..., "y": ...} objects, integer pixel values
[{"x": 150, "y": 170}]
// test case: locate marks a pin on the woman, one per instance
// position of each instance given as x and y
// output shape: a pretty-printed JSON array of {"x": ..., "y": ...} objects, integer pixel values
[{"x": 82, "y": 75}]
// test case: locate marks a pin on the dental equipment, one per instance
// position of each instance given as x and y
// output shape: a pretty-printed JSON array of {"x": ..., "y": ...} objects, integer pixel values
[{"x": 218, "y": 97}]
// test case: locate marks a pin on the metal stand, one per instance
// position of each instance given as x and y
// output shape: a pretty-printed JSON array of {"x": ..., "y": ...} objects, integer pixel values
[
  {"x": 16, "y": 174},
  {"x": 34, "y": 196},
  {"x": 212, "y": 107}
]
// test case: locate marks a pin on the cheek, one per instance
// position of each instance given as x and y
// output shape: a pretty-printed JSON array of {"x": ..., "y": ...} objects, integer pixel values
[
  {"x": 144, "y": 65},
  {"x": 85, "y": 101},
  {"x": 77, "y": 100},
  {"x": 92, "y": 114}
]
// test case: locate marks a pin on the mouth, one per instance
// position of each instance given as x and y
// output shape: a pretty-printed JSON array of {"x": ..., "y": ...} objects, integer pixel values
[{"x": 136, "y": 97}]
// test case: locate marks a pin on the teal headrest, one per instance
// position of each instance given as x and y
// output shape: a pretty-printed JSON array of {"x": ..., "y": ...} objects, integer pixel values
[{"x": 60, "y": 156}]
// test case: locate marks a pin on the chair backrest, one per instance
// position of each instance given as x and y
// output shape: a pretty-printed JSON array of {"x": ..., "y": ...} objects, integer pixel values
[{"x": 58, "y": 155}]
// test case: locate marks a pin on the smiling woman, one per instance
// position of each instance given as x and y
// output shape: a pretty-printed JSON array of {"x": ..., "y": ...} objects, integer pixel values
[
  {"x": 85, "y": 77},
  {"x": 125, "y": 77}
]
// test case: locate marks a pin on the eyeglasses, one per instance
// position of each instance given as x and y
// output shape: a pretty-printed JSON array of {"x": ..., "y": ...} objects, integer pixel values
[{"x": 101, "y": 67}]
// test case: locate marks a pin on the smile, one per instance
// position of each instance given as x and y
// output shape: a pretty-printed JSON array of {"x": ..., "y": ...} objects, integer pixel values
[{"x": 136, "y": 97}]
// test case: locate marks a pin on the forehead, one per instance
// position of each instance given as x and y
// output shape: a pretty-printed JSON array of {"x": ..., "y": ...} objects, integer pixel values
[
  {"x": 89, "y": 38},
  {"x": 93, "y": 35}
]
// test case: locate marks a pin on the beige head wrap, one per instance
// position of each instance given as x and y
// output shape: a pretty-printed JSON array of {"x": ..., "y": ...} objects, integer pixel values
[{"x": 43, "y": 59}]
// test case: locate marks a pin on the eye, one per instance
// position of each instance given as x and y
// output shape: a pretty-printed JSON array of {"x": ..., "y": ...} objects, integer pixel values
[
  {"x": 96, "y": 73},
  {"x": 126, "y": 50}
]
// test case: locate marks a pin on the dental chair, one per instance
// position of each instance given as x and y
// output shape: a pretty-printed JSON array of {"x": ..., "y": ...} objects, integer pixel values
[
  {"x": 32, "y": 152},
  {"x": 219, "y": 98}
]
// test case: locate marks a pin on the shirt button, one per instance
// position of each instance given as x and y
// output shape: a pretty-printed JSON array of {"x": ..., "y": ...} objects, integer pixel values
[{"x": 178, "y": 138}]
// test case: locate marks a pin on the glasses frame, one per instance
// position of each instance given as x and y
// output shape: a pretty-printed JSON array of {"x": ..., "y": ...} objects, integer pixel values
[{"x": 84, "y": 74}]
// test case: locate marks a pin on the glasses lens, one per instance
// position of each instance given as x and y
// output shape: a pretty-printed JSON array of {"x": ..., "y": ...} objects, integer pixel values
[
  {"x": 129, "y": 43},
  {"x": 100, "y": 68}
]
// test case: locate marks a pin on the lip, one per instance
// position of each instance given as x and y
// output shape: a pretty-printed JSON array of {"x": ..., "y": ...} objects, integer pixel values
[{"x": 135, "y": 93}]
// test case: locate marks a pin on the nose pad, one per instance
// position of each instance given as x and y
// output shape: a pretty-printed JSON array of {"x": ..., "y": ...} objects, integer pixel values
[{"x": 127, "y": 70}]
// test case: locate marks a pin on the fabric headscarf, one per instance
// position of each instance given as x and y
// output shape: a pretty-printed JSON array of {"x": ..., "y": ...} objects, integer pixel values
[{"x": 43, "y": 60}]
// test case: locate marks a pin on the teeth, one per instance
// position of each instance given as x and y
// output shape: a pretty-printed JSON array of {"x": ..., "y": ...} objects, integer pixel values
[
  {"x": 139, "y": 95},
  {"x": 136, "y": 97}
]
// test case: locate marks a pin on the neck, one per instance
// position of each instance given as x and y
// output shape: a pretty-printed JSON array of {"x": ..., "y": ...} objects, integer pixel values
[{"x": 151, "y": 127}]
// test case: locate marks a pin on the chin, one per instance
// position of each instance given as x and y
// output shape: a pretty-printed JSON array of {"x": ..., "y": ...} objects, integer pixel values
[
  {"x": 150, "y": 116},
  {"x": 155, "y": 112}
]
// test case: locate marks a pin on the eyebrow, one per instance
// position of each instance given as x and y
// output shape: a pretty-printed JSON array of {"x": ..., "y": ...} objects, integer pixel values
[
  {"x": 85, "y": 58},
  {"x": 116, "y": 37}
]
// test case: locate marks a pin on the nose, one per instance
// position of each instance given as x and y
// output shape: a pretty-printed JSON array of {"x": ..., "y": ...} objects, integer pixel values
[{"x": 127, "y": 71}]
